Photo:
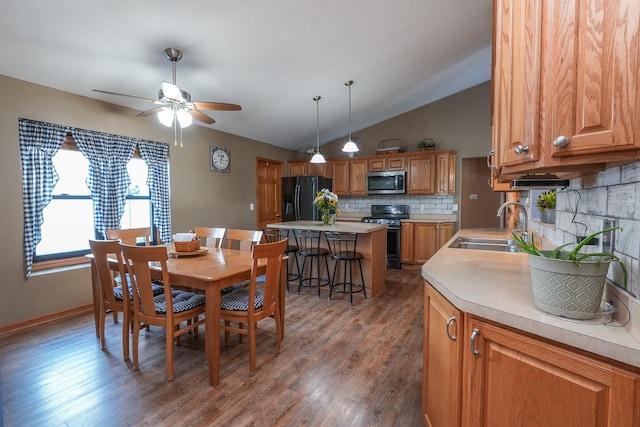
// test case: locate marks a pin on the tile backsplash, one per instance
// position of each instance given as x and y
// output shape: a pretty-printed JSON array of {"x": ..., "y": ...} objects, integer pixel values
[
  {"x": 417, "y": 204},
  {"x": 588, "y": 201}
]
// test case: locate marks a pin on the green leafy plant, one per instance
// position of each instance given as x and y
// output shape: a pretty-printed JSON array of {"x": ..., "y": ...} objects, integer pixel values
[
  {"x": 547, "y": 200},
  {"x": 575, "y": 255}
]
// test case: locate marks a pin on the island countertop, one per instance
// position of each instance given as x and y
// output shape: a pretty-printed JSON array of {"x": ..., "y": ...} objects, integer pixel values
[
  {"x": 372, "y": 244},
  {"x": 345, "y": 226},
  {"x": 497, "y": 286}
]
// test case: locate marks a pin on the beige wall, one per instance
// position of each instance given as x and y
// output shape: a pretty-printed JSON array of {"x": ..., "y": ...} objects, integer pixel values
[{"x": 198, "y": 195}]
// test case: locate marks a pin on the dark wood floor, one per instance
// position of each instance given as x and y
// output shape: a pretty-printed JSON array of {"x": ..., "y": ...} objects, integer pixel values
[{"x": 339, "y": 366}]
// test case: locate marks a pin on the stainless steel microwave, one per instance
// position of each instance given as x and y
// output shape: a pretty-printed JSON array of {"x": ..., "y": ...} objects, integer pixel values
[{"x": 392, "y": 182}]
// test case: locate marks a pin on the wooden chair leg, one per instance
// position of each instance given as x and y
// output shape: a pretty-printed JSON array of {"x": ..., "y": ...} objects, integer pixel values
[
  {"x": 252, "y": 347},
  {"x": 102, "y": 321},
  {"x": 170, "y": 337},
  {"x": 227, "y": 334},
  {"x": 125, "y": 335},
  {"x": 136, "y": 336}
]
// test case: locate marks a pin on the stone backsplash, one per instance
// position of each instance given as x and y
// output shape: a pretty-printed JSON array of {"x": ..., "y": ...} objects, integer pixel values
[
  {"x": 417, "y": 204},
  {"x": 581, "y": 208}
]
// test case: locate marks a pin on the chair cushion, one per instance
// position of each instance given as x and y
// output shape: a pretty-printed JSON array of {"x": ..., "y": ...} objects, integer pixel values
[
  {"x": 182, "y": 301},
  {"x": 157, "y": 287},
  {"x": 238, "y": 300},
  {"x": 234, "y": 287}
]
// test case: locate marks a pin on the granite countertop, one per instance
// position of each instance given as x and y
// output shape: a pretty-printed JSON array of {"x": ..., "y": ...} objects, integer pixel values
[
  {"x": 497, "y": 286},
  {"x": 345, "y": 226}
]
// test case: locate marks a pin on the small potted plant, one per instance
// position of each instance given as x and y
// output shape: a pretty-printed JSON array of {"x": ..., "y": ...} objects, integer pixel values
[
  {"x": 426, "y": 144},
  {"x": 569, "y": 283},
  {"x": 547, "y": 204}
]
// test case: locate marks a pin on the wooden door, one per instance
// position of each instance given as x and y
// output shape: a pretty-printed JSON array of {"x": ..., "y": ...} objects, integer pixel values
[
  {"x": 425, "y": 241},
  {"x": 591, "y": 76},
  {"x": 478, "y": 202},
  {"x": 514, "y": 379},
  {"x": 421, "y": 176},
  {"x": 516, "y": 80},
  {"x": 442, "y": 363},
  {"x": 341, "y": 177},
  {"x": 407, "y": 243},
  {"x": 358, "y": 177},
  {"x": 268, "y": 192}
]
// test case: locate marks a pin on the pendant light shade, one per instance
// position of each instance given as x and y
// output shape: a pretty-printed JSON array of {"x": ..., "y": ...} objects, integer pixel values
[
  {"x": 317, "y": 158},
  {"x": 350, "y": 146}
]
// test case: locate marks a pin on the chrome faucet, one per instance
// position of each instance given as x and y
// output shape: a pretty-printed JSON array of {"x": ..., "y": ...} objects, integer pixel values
[{"x": 523, "y": 233}]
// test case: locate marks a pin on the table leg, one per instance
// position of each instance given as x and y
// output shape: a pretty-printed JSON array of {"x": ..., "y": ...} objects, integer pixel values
[{"x": 281, "y": 292}]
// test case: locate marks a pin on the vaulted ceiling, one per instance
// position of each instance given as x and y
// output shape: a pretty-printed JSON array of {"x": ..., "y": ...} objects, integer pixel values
[{"x": 271, "y": 57}]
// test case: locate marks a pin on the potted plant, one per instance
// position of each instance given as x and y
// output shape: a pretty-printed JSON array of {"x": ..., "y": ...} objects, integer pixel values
[
  {"x": 547, "y": 204},
  {"x": 327, "y": 203},
  {"x": 426, "y": 144},
  {"x": 569, "y": 283}
]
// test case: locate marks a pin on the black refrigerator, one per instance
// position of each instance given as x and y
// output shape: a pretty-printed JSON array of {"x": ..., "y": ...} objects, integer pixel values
[{"x": 298, "y": 193}]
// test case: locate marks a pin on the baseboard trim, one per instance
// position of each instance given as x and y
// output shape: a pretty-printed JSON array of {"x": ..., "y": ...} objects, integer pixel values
[{"x": 19, "y": 326}]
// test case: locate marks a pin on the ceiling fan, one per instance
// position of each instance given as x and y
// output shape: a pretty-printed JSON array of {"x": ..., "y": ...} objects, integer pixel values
[{"x": 174, "y": 105}]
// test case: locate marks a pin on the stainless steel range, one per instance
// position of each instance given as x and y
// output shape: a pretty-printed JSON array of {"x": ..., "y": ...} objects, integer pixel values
[{"x": 391, "y": 215}]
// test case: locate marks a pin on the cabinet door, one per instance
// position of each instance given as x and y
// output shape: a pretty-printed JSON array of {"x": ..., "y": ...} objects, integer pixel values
[
  {"x": 590, "y": 53},
  {"x": 421, "y": 175},
  {"x": 298, "y": 168},
  {"x": 395, "y": 163},
  {"x": 407, "y": 243},
  {"x": 341, "y": 177},
  {"x": 445, "y": 232},
  {"x": 425, "y": 241},
  {"x": 516, "y": 80},
  {"x": 515, "y": 379},
  {"x": 442, "y": 364},
  {"x": 377, "y": 164},
  {"x": 357, "y": 177},
  {"x": 319, "y": 169},
  {"x": 445, "y": 173}
]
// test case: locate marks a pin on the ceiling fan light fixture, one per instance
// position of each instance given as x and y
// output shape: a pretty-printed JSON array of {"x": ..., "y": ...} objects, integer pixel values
[
  {"x": 350, "y": 146},
  {"x": 184, "y": 118},
  {"x": 317, "y": 158},
  {"x": 166, "y": 117}
]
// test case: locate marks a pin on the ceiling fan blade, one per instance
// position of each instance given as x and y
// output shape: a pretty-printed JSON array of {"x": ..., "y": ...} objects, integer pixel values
[
  {"x": 201, "y": 117},
  {"x": 149, "y": 112},
  {"x": 122, "y": 94},
  {"x": 171, "y": 91},
  {"x": 220, "y": 106}
]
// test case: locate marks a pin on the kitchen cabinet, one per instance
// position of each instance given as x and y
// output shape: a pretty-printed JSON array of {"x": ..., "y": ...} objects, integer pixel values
[
  {"x": 350, "y": 177},
  {"x": 442, "y": 363},
  {"x": 563, "y": 100},
  {"x": 306, "y": 168},
  {"x": 386, "y": 163},
  {"x": 445, "y": 172},
  {"x": 421, "y": 173},
  {"x": 509, "y": 377},
  {"x": 420, "y": 240}
]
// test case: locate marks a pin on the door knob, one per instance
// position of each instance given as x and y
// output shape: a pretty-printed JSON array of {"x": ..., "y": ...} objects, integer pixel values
[
  {"x": 561, "y": 142},
  {"x": 521, "y": 149}
]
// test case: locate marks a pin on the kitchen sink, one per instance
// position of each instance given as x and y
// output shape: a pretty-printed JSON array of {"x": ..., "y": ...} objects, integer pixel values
[{"x": 485, "y": 244}]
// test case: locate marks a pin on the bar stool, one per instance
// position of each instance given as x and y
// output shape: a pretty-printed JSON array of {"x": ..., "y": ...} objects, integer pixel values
[
  {"x": 273, "y": 235},
  {"x": 343, "y": 250},
  {"x": 308, "y": 242}
]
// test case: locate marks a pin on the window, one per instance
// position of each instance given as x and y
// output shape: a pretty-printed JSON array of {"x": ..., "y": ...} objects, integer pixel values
[{"x": 68, "y": 218}]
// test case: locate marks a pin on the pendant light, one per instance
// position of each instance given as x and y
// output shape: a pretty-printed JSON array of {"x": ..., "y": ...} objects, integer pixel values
[
  {"x": 317, "y": 158},
  {"x": 350, "y": 146}
]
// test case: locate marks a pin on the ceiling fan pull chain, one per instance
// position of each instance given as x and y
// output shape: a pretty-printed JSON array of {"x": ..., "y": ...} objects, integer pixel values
[
  {"x": 175, "y": 133},
  {"x": 180, "y": 136}
]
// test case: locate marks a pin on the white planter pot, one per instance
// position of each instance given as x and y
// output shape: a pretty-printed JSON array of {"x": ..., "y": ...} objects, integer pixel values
[{"x": 565, "y": 289}]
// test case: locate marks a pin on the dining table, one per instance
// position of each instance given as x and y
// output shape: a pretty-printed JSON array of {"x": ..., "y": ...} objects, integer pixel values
[{"x": 208, "y": 269}]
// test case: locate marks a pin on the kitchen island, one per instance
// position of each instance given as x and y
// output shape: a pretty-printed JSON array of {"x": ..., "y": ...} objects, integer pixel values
[{"x": 372, "y": 243}]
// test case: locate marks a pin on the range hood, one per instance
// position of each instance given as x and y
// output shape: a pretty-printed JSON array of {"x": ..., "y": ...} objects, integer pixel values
[{"x": 538, "y": 181}]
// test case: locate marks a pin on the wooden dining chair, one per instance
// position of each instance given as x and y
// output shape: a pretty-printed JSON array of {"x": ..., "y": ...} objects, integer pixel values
[
  {"x": 112, "y": 297},
  {"x": 130, "y": 236},
  {"x": 243, "y": 239},
  {"x": 249, "y": 305},
  {"x": 169, "y": 310},
  {"x": 212, "y": 236}
]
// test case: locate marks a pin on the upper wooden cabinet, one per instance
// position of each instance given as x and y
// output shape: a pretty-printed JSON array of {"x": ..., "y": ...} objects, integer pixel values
[
  {"x": 386, "y": 163},
  {"x": 421, "y": 173},
  {"x": 350, "y": 177},
  {"x": 446, "y": 172},
  {"x": 306, "y": 168},
  {"x": 565, "y": 85}
]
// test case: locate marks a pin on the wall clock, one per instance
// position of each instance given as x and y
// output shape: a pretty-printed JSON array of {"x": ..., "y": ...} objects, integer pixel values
[{"x": 220, "y": 159}]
